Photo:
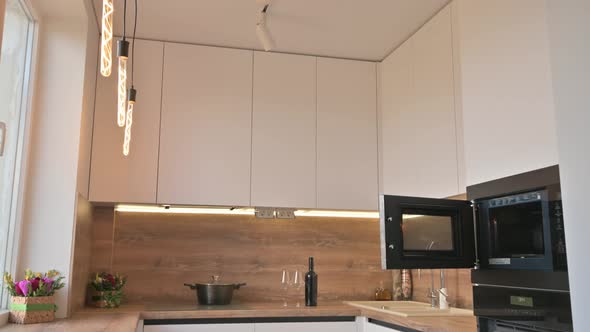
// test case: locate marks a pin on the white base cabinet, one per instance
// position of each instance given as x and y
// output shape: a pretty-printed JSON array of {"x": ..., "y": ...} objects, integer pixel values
[
  {"x": 308, "y": 327},
  {"x": 244, "y": 327},
  {"x": 372, "y": 327},
  {"x": 259, "y": 327}
]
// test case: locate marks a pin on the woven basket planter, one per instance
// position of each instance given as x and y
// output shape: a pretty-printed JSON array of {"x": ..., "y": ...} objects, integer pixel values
[
  {"x": 106, "y": 299},
  {"x": 31, "y": 310}
]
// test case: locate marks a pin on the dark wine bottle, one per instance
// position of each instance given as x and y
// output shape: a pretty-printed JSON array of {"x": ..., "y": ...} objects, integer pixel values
[{"x": 311, "y": 286}]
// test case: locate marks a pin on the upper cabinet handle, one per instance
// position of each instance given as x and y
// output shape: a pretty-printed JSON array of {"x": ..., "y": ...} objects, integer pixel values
[{"x": 2, "y": 137}]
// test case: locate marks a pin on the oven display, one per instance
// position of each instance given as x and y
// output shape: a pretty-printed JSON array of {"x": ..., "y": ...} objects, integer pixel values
[{"x": 521, "y": 301}]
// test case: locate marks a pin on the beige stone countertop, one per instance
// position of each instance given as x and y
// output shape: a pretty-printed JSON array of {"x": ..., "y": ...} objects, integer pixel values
[{"x": 126, "y": 318}]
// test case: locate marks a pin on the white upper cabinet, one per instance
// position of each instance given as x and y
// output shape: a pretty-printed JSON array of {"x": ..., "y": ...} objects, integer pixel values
[
  {"x": 284, "y": 131},
  {"x": 418, "y": 129},
  {"x": 507, "y": 96},
  {"x": 132, "y": 179},
  {"x": 206, "y": 126},
  {"x": 346, "y": 135}
]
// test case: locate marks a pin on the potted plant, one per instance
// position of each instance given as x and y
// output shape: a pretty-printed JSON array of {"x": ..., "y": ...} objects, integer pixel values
[
  {"x": 32, "y": 298},
  {"x": 107, "y": 290}
]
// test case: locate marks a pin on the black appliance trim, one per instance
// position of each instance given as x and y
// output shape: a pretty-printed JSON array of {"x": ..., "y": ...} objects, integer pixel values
[
  {"x": 558, "y": 280},
  {"x": 186, "y": 321},
  {"x": 391, "y": 326},
  {"x": 516, "y": 183}
]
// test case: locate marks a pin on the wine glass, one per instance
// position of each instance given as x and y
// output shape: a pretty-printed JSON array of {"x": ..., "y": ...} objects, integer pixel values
[
  {"x": 285, "y": 284},
  {"x": 298, "y": 284}
]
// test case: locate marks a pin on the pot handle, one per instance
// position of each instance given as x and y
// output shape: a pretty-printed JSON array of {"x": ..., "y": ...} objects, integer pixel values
[
  {"x": 237, "y": 286},
  {"x": 191, "y": 286}
]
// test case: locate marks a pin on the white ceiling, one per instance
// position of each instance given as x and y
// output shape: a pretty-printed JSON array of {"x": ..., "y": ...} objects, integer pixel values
[{"x": 356, "y": 29}]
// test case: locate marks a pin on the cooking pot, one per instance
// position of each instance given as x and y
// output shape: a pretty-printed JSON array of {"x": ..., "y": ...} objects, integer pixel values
[{"x": 214, "y": 293}]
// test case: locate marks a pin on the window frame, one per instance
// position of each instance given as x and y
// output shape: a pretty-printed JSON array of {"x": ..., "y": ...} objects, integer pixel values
[{"x": 22, "y": 149}]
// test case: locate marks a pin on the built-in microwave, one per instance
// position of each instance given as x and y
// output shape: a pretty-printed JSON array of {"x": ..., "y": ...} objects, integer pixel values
[{"x": 511, "y": 223}]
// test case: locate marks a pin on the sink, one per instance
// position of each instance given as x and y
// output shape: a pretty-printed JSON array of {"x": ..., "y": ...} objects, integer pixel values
[{"x": 409, "y": 308}]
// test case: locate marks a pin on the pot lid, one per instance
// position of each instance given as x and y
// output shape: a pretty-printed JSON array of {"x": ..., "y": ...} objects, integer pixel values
[{"x": 214, "y": 281}]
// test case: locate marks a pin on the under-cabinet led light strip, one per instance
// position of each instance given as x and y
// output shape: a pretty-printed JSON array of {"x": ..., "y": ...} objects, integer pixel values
[{"x": 240, "y": 211}]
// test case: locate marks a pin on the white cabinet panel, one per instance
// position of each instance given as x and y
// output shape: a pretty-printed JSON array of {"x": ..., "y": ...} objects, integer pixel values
[
  {"x": 114, "y": 177},
  {"x": 396, "y": 97},
  {"x": 370, "y": 327},
  {"x": 284, "y": 131},
  {"x": 431, "y": 128},
  {"x": 206, "y": 126},
  {"x": 346, "y": 135},
  {"x": 307, "y": 327},
  {"x": 200, "y": 328},
  {"x": 417, "y": 114},
  {"x": 507, "y": 96}
]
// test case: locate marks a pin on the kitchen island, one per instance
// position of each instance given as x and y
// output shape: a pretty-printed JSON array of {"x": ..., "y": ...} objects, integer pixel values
[{"x": 131, "y": 318}]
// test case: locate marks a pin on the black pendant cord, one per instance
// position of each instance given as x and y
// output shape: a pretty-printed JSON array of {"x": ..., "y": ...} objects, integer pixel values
[
  {"x": 124, "y": 18},
  {"x": 133, "y": 45}
]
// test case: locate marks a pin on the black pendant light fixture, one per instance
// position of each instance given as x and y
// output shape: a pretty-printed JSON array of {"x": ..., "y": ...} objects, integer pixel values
[{"x": 132, "y": 93}]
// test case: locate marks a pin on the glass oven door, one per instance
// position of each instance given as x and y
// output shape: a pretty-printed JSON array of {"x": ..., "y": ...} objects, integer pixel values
[
  {"x": 515, "y": 231},
  {"x": 426, "y": 233}
]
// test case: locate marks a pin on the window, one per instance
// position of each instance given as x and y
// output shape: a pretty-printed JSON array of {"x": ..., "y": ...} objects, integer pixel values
[{"x": 15, "y": 60}]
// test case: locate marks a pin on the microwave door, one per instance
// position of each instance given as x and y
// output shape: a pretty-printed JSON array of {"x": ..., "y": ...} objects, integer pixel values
[{"x": 425, "y": 233}]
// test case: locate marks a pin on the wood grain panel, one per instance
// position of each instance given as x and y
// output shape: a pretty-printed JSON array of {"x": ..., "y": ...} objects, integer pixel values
[
  {"x": 82, "y": 254},
  {"x": 457, "y": 281},
  {"x": 160, "y": 252},
  {"x": 102, "y": 239}
]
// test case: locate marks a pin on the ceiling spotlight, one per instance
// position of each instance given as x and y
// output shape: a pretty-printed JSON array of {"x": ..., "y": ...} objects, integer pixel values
[{"x": 261, "y": 30}]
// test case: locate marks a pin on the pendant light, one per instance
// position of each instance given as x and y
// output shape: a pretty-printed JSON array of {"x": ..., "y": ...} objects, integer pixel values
[
  {"x": 132, "y": 94},
  {"x": 106, "y": 40},
  {"x": 123, "y": 55}
]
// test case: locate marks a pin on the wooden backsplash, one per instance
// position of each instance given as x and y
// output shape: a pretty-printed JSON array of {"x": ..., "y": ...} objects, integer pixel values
[{"x": 160, "y": 252}]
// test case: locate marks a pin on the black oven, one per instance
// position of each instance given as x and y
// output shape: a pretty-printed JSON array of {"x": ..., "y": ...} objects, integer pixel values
[
  {"x": 512, "y": 223},
  {"x": 502, "y": 309}
]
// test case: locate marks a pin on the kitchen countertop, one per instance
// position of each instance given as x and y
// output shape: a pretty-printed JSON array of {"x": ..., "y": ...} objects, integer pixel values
[
  {"x": 126, "y": 318},
  {"x": 82, "y": 321}
]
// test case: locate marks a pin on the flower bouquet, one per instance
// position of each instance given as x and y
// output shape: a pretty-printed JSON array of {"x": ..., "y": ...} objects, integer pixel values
[
  {"x": 107, "y": 290},
  {"x": 32, "y": 298}
]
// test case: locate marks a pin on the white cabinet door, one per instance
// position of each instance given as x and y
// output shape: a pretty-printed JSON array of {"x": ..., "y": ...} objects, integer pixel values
[
  {"x": 246, "y": 327},
  {"x": 284, "y": 131},
  {"x": 396, "y": 96},
  {"x": 206, "y": 126},
  {"x": 507, "y": 96},
  {"x": 114, "y": 177},
  {"x": 346, "y": 135},
  {"x": 417, "y": 115},
  {"x": 307, "y": 327},
  {"x": 430, "y": 131},
  {"x": 370, "y": 327}
]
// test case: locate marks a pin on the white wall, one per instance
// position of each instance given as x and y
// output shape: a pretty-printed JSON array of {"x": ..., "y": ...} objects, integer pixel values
[
  {"x": 2, "y": 13},
  {"x": 54, "y": 145},
  {"x": 569, "y": 28},
  {"x": 507, "y": 99}
]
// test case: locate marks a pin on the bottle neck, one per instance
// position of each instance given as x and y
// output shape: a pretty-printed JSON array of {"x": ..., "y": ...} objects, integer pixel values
[{"x": 311, "y": 263}]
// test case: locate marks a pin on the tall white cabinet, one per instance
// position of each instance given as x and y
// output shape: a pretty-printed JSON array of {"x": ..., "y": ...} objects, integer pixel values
[
  {"x": 206, "y": 133},
  {"x": 346, "y": 135},
  {"x": 131, "y": 179},
  {"x": 507, "y": 96},
  {"x": 418, "y": 124},
  {"x": 284, "y": 131}
]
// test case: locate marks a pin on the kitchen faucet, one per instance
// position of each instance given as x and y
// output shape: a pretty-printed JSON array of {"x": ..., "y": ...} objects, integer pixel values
[
  {"x": 441, "y": 294},
  {"x": 432, "y": 294}
]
